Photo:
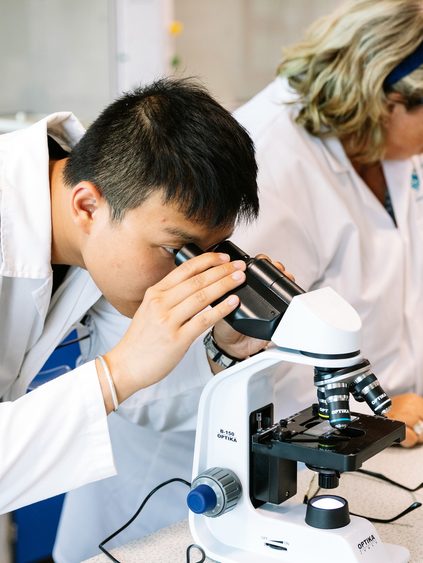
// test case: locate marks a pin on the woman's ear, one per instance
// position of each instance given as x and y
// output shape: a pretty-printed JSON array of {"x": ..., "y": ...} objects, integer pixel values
[
  {"x": 86, "y": 199},
  {"x": 395, "y": 99}
]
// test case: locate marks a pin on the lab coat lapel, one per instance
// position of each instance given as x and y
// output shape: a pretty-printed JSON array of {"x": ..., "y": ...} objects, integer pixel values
[
  {"x": 398, "y": 176},
  {"x": 25, "y": 195},
  {"x": 25, "y": 262},
  {"x": 72, "y": 300},
  {"x": 340, "y": 163}
]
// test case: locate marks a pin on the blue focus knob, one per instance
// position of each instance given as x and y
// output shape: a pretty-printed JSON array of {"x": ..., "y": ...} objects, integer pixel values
[
  {"x": 214, "y": 492},
  {"x": 201, "y": 499}
]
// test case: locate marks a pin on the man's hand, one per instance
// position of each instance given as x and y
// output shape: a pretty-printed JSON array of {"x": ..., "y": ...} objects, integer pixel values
[
  {"x": 408, "y": 408},
  {"x": 232, "y": 342},
  {"x": 173, "y": 313}
]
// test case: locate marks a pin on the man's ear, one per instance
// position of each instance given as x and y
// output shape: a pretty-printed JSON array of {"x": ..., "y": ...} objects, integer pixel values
[{"x": 86, "y": 199}]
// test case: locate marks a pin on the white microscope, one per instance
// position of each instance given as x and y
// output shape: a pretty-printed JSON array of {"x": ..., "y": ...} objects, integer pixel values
[{"x": 245, "y": 462}]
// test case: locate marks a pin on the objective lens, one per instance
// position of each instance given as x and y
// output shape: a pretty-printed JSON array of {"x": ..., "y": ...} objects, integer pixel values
[
  {"x": 323, "y": 405},
  {"x": 337, "y": 398},
  {"x": 368, "y": 387}
]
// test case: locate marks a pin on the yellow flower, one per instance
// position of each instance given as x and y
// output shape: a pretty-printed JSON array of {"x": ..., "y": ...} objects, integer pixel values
[{"x": 176, "y": 27}]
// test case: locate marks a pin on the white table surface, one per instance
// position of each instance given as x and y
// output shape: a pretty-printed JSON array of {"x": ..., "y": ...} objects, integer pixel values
[{"x": 366, "y": 496}]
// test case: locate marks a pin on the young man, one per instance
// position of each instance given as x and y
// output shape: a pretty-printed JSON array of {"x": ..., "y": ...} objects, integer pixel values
[{"x": 100, "y": 213}]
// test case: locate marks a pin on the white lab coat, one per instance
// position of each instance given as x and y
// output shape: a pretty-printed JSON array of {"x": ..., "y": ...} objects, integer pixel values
[
  {"x": 319, "y": 218},
  {"x": 153, "y": 440},
  {"x": 55, "y": 438}
]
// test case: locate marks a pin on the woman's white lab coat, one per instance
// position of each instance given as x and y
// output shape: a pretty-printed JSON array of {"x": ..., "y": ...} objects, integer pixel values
[
  {"x": 319, "y": 218},
  {"x": 56, "y": 438}
]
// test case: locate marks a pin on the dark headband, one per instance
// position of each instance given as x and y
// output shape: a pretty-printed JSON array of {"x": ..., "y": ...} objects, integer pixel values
[{"x": 405, "y": 67}]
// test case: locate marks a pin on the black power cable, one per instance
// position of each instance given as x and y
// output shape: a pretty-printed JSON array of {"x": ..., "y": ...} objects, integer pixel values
[
  {"x": 144, "y": 502},
  {"x": 73, "y": 341}
]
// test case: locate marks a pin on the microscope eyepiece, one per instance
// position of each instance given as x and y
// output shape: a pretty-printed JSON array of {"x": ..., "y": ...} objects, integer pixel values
[
  {"x": 186, "y": 252},
  {"x": 264, "y": 296}
]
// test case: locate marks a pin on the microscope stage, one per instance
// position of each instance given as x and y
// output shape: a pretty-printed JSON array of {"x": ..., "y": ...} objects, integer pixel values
[{"x": 305, "y": 437}]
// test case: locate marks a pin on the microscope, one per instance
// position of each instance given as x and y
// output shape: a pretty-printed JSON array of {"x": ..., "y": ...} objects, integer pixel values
[{"x": 245, "y": 461}]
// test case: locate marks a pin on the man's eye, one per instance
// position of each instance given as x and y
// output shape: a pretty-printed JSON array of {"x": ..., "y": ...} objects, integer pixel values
[{"x": 171, "y": 251}]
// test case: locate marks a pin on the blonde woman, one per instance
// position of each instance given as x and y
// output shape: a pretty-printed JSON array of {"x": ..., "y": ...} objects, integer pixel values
[{"x": 339, "y": 141}]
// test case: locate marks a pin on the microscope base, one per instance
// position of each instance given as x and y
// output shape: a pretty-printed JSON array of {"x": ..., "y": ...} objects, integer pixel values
[
  {"x": 393, "y": 554},
  {"x": 269, "y": 537},
  {"x": 397, "y": 553}
]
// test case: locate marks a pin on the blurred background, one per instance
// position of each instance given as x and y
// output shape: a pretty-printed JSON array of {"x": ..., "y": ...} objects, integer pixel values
[{"x": 78, "y": 55}]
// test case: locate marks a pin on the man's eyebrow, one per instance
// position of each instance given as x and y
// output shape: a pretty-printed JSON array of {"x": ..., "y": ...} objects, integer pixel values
[{"x": 180, "y": 234}]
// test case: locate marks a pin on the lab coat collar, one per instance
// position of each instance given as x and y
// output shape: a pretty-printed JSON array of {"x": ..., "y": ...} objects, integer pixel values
[
  {"x": 73, "y": 298},
  {"x": 339, "y": 162},
  {"x": 25, "y": 220},
  {"x": 282, "y": 93},
  {"x": 398, "y": 172},
  {"x": 335, "y": 155}
]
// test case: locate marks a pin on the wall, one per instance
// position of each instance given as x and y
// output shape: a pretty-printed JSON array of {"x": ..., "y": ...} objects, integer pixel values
[
  {"x": 235, "y": 46},
  {"x": 54, "y": 56},
  {"x": 61, "y": 54}
]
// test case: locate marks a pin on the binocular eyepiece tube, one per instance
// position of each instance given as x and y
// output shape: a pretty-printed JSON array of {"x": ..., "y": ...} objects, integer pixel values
[{"x": 264, "y": 297}]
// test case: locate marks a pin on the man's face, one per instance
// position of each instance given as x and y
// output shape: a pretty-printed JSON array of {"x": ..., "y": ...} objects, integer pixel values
[{"x": 125, "y": 258}]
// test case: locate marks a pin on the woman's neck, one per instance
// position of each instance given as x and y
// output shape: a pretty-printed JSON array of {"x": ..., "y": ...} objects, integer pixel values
[
  {"x": 371, "y": 173},
  {"x": 373, "y": 176}
]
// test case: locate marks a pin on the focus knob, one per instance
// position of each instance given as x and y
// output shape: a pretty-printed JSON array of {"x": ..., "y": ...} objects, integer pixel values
[{"x": 214, "y": 492}]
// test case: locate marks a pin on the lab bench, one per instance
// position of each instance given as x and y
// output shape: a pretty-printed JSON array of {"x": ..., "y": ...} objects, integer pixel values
[{"x": 366, "y": 496}]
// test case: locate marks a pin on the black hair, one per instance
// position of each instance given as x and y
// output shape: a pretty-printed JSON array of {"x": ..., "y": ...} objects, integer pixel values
[{"x": 170, "y": 136}]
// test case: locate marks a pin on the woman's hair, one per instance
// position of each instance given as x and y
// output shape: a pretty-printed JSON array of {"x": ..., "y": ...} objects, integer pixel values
[{"x": 339, "y": 69}]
